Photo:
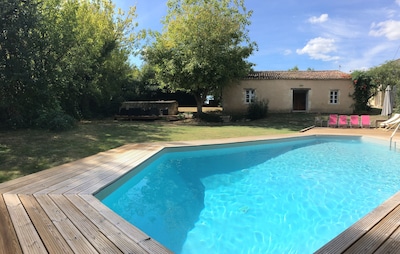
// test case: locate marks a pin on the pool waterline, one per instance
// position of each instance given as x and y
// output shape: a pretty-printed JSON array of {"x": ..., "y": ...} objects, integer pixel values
[{"x": 137, "y": 170}]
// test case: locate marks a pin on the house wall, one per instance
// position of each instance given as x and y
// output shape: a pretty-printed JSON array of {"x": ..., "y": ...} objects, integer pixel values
[{"x": 279, "y": 94}]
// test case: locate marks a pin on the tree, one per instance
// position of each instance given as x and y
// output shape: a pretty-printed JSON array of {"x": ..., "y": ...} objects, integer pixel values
[
  {"x": 60, "y": 57},
  {"x": 92, "y": 55},
  {"x": 388, "y": 74},
  {"x": 364, "y": 88},
  {"x": 24, "y": 62},
  {"x": 203, "y": 46}
]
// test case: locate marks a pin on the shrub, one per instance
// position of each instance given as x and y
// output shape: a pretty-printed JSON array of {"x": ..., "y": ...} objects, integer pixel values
[
  {"x": 210, "y": 117},
  {"x": 364, "y": 88},
  {"x": 257, "y": 110},
  {"x": 55, "y": 120}
]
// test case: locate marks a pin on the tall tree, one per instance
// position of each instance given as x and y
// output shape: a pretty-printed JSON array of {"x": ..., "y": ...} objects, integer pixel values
[
  {"x": 203, "y": 46},
  {"x": 62, "y": 56},
  {"x": 24, "y": 56},
  {"x": 93, "y": 52}
]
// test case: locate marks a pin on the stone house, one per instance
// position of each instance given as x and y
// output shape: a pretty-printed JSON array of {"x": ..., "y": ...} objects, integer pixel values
[{"x": 292, "y": 91}]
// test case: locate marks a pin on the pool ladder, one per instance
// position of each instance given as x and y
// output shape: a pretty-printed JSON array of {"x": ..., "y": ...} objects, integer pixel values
[{"x": 391, "y": 138}]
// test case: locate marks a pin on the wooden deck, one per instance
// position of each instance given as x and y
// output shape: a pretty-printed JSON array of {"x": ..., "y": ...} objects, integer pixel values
[{"x": 54, "y": 211}]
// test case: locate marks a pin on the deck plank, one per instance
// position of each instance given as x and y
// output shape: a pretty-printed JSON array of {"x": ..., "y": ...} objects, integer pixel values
[
  {"x": 77, "y": 242},
  {"x": 51, "y": 237},
  {"x": 29, "y": 179},
  {"x": 124, "y": 242},
  {"x": 60, "y": 176},
  {"x": 347, "y": 238},
  {"x": 86, "y": 227},
  {"x": 391, "y": 245},
  {"x": 87, "y": 178},
  {"x": 106, "y": 179},
  {"x": 374, "y": 238},
  {"x": 24, "y": 228},
  {"x": 40, "y": 180},
  {"x": 8, "y": 238},
  {"x": 141, "y": 238}
]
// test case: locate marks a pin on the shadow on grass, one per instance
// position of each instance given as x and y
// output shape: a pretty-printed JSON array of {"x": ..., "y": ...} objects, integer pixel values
[{"x": 27, "y": 151}]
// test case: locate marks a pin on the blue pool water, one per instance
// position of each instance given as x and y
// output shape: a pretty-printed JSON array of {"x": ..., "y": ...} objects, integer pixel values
[{"x": 291, "y": 196}]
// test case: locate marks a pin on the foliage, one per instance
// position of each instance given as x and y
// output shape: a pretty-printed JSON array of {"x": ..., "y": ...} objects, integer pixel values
[
  {"x": 209, "y": 117},
  {"x": 257, "y": 109},
  {"x": 388, "y": 74},
  {"x": 24, "y": 57},
  {"x": 203, "y": 46},
  {"x": 71, "y": 55},
  {"x": 55, "y": 120},
  {"x": 364, "y": 88}
]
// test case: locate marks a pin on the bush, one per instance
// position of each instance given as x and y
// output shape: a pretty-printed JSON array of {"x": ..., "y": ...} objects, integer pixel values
[
  {"x": 55, "y": 120},
  {"x": 210, "y": 118},
  {"x": 257, "y": 110}
]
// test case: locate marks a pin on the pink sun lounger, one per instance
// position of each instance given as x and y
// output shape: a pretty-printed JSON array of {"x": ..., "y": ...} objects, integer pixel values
[
  {"x": 333, "y": 120},
  {"x": 342, "y": 121},
  {"x": 354, "y": 121},
  {"x": 365, "y": 121}
]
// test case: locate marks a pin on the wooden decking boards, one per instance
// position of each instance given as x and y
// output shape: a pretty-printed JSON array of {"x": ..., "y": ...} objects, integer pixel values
[{"x": 54, "y": 211}]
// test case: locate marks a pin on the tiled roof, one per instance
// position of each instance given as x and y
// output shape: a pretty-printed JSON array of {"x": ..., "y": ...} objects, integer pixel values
[{"x": 298, "y": 75}]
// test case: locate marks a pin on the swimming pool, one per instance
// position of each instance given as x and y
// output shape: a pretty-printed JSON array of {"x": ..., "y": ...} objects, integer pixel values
[{"x": 257, "y": 197}]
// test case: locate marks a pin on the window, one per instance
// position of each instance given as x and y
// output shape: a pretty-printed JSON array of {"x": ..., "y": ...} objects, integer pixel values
[
  {"x": 334, "y": 97},
  {"x": 250, "y": 96}
]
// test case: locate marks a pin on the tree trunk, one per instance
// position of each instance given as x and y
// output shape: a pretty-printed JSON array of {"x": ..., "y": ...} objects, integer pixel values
[{"x": 199, "y": 102}]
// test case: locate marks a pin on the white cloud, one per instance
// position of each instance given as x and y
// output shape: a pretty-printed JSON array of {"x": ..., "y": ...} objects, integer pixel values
[
  {"x": 390, "y": 29},
  {"x": 319, "y": 49},
  {"x": 398, "y": 2},
  {"x": 340, "y": 29},
  {"x": 287, "y": 52},
  {"x": 320, "y": 19}
]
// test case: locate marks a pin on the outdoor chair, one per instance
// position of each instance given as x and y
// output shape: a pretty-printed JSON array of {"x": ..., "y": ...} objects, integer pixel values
[
  {"x": 392, "y": 124},
  {"x": 333, "y": 120},
  {"x": 389, "y": 121},
  {"x": 365, "y": 121},
  {"x": 354, "y": 121},
  {"x": 342, "y": 121}
]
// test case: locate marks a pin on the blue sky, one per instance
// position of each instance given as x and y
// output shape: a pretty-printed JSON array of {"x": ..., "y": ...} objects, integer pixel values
[{"x": 342, "y": 35}]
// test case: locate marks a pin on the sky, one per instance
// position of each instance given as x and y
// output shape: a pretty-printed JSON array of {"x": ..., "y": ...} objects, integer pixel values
[{"x": 344, "y": 35}]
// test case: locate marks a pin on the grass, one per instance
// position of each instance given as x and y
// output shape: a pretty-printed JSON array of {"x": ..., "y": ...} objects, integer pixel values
[{"x": 24, "y": 152}]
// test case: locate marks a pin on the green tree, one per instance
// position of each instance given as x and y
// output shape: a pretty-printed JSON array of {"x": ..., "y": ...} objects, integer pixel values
[
  {"x": 93, "y": 53},
  {"x": 388, "y": 74},
  {"x": 364, "y": 88},
  {"x": 62, "y": 57},
  {"x": 24, "y": 62},
  {"x": 203, "y": 46}
]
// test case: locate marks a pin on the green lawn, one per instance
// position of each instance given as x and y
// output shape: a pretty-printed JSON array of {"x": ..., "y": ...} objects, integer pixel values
[{"x": 23, "y": 152}]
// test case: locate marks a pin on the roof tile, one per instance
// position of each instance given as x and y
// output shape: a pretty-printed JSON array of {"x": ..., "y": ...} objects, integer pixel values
[{"x": 309, "y": 75}]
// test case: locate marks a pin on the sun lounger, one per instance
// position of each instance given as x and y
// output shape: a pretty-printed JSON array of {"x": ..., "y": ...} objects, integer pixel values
[
  {"x": 333, "y": 120},
  {"x": 392, "y": 124},
  {"x": 365, "y": 121},
  {"x": 389, "y": 121},
  {"x": 354, "y": 121},
  {"x": 342, "y": 121}
]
